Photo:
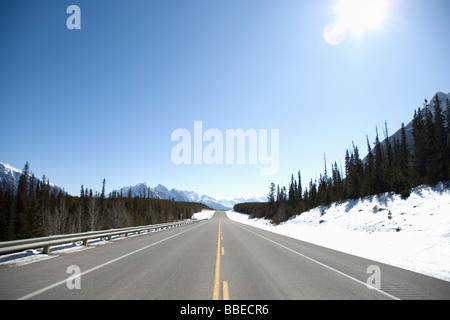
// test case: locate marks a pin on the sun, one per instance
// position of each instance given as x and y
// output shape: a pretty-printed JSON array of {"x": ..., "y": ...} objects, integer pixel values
[
  {"x": 359, "y": 15},
  {"x": 355, "y": 16}
]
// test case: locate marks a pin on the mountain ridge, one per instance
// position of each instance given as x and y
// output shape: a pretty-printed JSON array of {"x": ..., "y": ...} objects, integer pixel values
[
  {"x": 10, "y": 176},
  {"x": 161, "y": 192},
  {"x": 430, "y": 105}
]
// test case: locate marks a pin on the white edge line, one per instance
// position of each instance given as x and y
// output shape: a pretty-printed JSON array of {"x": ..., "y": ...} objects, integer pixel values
[
  {"x": 28, "y": 296},
  {"x": 324, "y": 265}
]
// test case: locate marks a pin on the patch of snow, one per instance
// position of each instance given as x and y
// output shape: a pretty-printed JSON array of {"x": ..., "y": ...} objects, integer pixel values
[
  {"x": 23, "y": 258},
  {"x": 203, "y": 215}
]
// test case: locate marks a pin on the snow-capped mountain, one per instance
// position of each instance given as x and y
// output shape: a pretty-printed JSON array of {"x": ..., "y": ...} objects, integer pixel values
[
  {"x": 10, "y": 176},
  {"x": 161, "y": 192},
  {"x": 231, "y": 203}
]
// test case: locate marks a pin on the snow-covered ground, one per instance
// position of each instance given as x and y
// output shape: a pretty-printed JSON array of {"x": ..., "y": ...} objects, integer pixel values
[
  {"x": 202, "y": 215},
  {"x": 413, "y": 234}
]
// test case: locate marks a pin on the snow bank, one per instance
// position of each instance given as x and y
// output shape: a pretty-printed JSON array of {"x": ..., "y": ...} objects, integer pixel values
[
  {"x": 204, "y": 214},
  {"x": 413, "y": 234}
]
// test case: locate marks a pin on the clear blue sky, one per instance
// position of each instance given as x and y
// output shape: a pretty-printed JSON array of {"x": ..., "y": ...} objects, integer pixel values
[{"x": 103, "y": 101}]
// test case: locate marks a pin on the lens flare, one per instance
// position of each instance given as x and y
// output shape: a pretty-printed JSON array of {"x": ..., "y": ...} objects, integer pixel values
[{"x": 334, "y": 33}]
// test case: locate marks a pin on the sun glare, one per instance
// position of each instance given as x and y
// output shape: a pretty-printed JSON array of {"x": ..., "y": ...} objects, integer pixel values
[
  {"x": 355, "y": 16},
  {"x": 359, "y": 15}
]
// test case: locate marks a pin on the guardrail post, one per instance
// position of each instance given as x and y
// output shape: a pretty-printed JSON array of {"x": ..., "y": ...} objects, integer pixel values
[{"x": 46, "y": 249}]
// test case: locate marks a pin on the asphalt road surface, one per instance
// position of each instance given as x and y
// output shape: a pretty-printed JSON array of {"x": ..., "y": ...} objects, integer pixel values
[{"x": 214, "y": 259}]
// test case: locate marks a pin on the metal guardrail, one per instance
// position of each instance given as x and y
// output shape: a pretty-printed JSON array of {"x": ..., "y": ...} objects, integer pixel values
[{"x": 47, "y": 242}]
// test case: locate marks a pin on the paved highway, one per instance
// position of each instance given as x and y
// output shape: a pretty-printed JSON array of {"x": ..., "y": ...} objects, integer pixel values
[{"x": 215, "y": 259}]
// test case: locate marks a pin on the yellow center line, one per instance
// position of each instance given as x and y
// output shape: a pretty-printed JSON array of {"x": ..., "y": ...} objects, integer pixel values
[
  {"x": 216, "y": 288},
  {"x": 226, "y": 294}
]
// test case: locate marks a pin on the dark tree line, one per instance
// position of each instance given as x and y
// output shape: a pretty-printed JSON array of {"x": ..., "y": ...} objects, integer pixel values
[
  {"x": 37, "y": 209},
  {"x": 388, "y": 167}
]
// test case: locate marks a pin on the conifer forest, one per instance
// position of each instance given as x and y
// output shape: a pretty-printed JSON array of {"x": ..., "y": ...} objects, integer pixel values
[{"x": 390, "y": 166}]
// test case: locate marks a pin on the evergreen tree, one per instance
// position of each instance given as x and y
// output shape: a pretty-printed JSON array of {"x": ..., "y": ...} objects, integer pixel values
[
  {"x": 347, "y": 163},
  {"x": 379, "y": 178},
  {"x": 312, "y": 195},
  {"x": 419, "y": 163},
  {"x": 389, "y": 152},
  {"x": 271, "y": 196},
  {"x": 292, "y": 191},
  {"x": 447, "y": 153},
  {"x": 404, "y": 153},
  {"x": 22, "y": 204},
  {"x": 34, "y": 214},
  {"x": 358, "y": 167},
  {"x": 278, "y": 193},
  {"x": 401, "y": 166},
  {"x": 430, "y": 149},
  {"x": 438, "y": 159},
  {"x": 337, "y": 184},
  {"x": 354, "y": 168},
  {"x": 7, "y": 214},
  {"x": 299, "y": 187},
  {"x": 102, "y": 203},
  {"x": 368, "y": 185},
  {"x": 388, "y": 161},
  {"x": 3, "y": 217},
  {"x": 299, "y": 203}
]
